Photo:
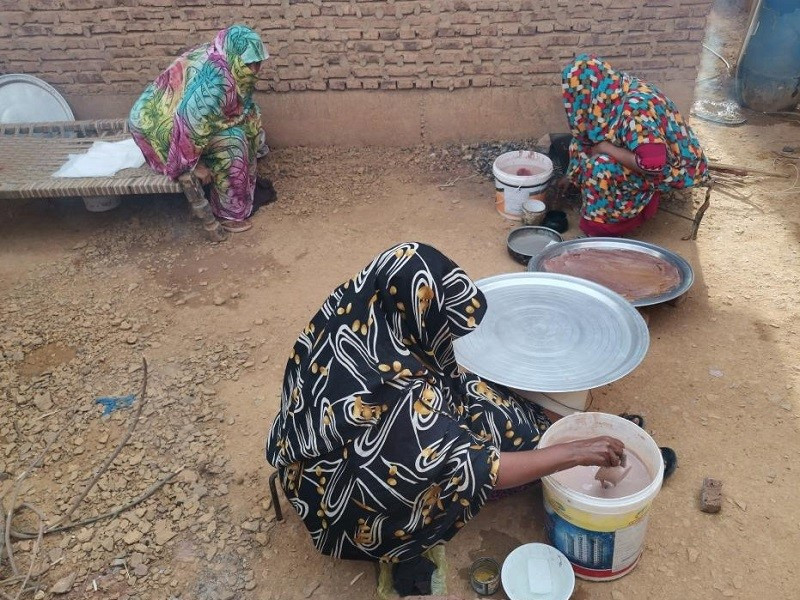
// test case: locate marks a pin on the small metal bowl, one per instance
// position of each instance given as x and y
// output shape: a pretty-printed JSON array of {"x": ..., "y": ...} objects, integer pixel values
[
  {"x": 485, "y": 576},
  {"x": 526, "y": 242}
]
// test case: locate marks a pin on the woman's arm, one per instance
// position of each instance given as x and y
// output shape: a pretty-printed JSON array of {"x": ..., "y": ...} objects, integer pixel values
[
  {"x": 621, "y": 155},
  {"x": 519, "y": 468}
]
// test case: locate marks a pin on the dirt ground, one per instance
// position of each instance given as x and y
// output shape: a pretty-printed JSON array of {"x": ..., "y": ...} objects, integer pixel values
[{"x": 83, "y": 296}]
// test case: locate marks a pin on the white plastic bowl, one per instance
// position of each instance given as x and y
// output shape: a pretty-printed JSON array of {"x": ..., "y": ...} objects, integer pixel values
[
  {"x": 515, "y": 573},
  {"x": 101, "y": 203}
]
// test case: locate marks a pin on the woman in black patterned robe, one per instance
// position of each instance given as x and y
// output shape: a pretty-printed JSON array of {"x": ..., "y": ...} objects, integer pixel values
[{"x": 383, "y": 448}]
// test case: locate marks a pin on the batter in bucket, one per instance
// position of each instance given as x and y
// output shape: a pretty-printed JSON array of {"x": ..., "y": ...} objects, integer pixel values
[{"x": 582, "y": 479}]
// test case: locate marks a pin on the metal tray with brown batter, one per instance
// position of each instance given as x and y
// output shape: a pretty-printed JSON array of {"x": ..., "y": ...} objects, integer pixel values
[{"x": 657, "y": 295}]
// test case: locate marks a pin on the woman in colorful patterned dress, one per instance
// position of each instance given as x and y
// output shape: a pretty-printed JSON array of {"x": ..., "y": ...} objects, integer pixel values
[
  {"x": 629, "y": 144},
  {"x": 199, "y": 116},
  {"x": 383, "y": 448}
]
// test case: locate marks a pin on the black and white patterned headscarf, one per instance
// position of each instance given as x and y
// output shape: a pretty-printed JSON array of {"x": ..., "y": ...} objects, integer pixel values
[{"x": 393, "y": 322}]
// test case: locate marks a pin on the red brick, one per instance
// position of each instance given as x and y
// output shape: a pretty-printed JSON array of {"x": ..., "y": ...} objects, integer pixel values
[
  {"x": 68, "y": 29},
  {"x": 118, "y": 45},
  {"x": 32, "y": 30}
]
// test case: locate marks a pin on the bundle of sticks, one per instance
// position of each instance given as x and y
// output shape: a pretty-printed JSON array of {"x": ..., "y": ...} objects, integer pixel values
[
  {"x": 731, "y": 180},
  {"x": 733, "y": 177}
]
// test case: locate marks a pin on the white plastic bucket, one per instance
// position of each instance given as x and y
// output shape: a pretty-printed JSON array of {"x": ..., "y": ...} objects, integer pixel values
[
  {"x": 603, "y": 538},
  {"x": 101, "y": 203},
  {"x": 511, "y": 190}
]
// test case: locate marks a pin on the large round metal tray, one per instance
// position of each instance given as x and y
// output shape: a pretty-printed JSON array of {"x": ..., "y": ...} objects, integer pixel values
[
  {"x": 28, "y": 99},
  {"x": 545, "y": 332},
  {"x": 684, "y": 268}
]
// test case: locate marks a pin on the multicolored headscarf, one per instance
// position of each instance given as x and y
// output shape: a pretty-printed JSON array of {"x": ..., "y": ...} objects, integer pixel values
[
  {"x": 603, "y": 104},
  {"x": 205, "y": 91},
  {"x": 241, "y": 47}
]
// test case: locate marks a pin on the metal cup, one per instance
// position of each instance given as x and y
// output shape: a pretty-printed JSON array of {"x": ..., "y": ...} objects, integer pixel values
[
  {"x": 533, "y": 212},
  {"x": 485, "y": 576}
]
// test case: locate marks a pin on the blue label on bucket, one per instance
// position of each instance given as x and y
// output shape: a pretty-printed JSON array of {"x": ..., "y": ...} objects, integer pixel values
[
  {"x": 596, "y": 554},
  {"x": 590, "y": 549}
]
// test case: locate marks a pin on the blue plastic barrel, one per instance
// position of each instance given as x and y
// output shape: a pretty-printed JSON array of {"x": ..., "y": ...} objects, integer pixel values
[{"x": 768, "y": 73}]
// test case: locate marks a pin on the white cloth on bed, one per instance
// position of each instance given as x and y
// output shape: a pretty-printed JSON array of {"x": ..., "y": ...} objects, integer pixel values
[{"x": 102, "y": 159}]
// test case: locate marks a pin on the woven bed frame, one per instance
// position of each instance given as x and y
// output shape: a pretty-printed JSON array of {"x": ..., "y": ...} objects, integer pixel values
[{"x": 31, "y": 152}]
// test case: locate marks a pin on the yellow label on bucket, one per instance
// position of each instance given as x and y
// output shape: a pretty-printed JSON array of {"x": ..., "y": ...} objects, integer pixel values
[
  {"x": 594, "y": 522},
  {"x": 499, "y": 200}
]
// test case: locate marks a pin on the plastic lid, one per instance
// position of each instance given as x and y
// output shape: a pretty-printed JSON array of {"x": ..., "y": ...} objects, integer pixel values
[{"x": 537, "y": 572}]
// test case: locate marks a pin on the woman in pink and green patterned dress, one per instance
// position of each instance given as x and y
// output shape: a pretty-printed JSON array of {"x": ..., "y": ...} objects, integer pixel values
[{"x": 199, "y": 116}]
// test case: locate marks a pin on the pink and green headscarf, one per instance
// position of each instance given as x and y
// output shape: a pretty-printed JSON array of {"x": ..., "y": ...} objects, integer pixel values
[{"x": 202, "y": 93}]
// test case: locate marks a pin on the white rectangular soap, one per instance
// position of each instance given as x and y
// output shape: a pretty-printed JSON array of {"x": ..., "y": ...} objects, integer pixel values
[{"x": 539, "y": 576}]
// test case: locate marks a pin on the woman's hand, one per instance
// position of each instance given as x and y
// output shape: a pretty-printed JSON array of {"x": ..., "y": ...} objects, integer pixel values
[
  {"x": 604, "y": 147},
  {"x": 263, "y": 149},
  {"x": 518, "y": 468},
  {"x": 603, "y": 451},
  {"x": 202, "y": 172},
  {"x": 562, "y": 184}
]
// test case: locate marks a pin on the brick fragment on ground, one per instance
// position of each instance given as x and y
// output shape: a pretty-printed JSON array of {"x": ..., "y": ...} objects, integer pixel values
[{"x": 711, "y": 495}]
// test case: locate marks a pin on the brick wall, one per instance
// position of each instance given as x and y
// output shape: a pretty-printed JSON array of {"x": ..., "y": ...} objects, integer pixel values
[{"x": 91, "y": 48}]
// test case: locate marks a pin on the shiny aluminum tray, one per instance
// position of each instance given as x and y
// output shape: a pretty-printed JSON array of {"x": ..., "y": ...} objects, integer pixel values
[
  {"x": 28, "y": 99},
  {"x": 683, "y": 266},
  {"x": 545, "y": 332}
]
